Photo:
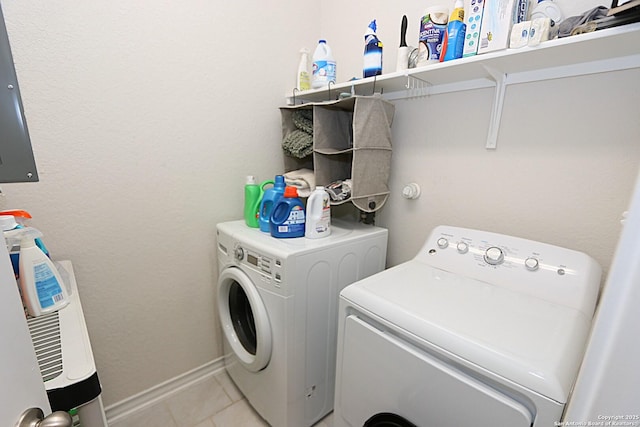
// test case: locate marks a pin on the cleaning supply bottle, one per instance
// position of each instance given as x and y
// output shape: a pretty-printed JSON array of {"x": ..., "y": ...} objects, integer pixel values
[
  {"x": 251, "y": 201},
  {"x": 372, "y": 52},
  {"x": 287, "y": 218},
  {"x": 318, "y": 215},
  {"x": 8, "y": 223},
  {"x": 270, "y": 197},
  {"x": 453, "y": 44},
  {"x": 42, "y": 288},
  {"x": 303, "y": 80},
  {"x": 432, "y": 28},
  {"x": 252, "y": 197},
  {"x": 13, "y": 219},
  {"x": 19, "y": 215},
  {"x": 324, "y": 66}
]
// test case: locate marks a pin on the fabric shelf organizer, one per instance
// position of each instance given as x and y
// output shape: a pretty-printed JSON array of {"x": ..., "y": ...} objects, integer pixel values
[{"x": 350, "y": 142}]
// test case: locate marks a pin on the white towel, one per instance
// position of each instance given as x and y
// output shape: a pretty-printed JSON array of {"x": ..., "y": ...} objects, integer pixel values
[{"x": 303, "y": 179}]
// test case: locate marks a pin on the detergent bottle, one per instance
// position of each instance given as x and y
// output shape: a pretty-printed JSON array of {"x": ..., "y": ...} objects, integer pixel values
[
  {"x": 287, "y": 218},
  {"x": 270, "y": 197},
  {"x": 41, "y": 285},
  {"x": 318, "y": 215},
  {"x": 252, "y": 197}
]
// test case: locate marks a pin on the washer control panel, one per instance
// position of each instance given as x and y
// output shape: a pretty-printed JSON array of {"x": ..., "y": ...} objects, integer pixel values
[
  {"x": 560, "y": 275},
  {"x": 269, "y": 267}
]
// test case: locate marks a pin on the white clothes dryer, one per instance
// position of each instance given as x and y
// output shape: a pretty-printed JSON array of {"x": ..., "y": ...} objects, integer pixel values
[
  {"x": 479, "y": 329},
  {"x": 278, "y": 306}
]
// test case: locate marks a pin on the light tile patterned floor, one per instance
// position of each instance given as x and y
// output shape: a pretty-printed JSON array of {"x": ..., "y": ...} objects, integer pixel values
[{"x": 215, "y": 402}]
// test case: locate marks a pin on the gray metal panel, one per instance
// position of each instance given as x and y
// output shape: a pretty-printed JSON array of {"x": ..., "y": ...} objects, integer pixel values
[{"x": 16, "y": 156}]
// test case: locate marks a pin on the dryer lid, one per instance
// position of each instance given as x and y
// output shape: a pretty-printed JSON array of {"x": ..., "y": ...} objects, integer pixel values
[{"x": 527, "y": 340}]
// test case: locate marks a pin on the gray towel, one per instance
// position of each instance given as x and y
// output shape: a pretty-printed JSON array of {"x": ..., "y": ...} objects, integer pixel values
[{"x": 299, "y": 142}]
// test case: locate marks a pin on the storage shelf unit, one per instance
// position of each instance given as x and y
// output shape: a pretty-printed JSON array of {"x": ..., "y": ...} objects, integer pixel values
[
  {"x": 605, "y": 50},
  {"x": 351, "y": 140}
]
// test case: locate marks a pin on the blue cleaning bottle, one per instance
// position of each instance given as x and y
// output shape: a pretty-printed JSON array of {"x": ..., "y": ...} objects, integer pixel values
[
  {"x": 454, "y": 36},
  {"x": 372, "y": 52},
  {"x": 287, "y": 218},
  {"x": 270, "y": 197}
]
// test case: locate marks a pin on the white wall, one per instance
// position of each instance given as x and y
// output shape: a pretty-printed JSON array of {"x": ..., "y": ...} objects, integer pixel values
[
  {"x": 146, "y": 116},
  {"x": 566, "y": 160}
]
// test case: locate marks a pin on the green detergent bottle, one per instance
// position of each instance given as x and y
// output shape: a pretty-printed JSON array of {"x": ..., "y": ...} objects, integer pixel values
[{"x": 252, "y": 197}]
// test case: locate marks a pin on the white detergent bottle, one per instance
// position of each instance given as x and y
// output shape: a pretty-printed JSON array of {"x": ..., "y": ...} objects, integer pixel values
[
  {"x": 318, "y": 222},
  {"x": 43, "y": 290}
]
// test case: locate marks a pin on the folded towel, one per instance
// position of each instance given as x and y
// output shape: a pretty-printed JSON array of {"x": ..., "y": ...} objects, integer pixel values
[{"x": 303, "y": 179}]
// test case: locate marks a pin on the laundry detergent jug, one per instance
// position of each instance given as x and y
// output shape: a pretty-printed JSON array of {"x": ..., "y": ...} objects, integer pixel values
[
  {"x": 287, "y": 218},
  {"x": 270, "y": 197}
]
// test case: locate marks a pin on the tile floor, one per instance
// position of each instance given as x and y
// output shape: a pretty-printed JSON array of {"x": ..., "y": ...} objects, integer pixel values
[{"x": 215, "y": 402}]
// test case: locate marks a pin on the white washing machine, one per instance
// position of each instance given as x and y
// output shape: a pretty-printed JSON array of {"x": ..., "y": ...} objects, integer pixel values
[
  {"x": 479, "y": 329},
  {"x": 278, "y": 306}
]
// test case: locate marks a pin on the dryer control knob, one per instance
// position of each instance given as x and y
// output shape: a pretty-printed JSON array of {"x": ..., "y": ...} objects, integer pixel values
[
  {"x": 239, "y": 253},
  {"x": 442, "y": 243},
  {"x": 494, "y": 255},
  {"x": 462, "y": 247},
  {"x": 531, "y": 263}
]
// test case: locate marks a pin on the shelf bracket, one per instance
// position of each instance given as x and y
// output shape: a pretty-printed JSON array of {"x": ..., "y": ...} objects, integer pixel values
[
  {"x": 500, "y": 79},
  {"x": 416, "y": 87}
]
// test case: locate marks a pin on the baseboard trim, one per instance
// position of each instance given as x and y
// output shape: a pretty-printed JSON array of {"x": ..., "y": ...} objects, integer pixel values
[{"x": 155, "y": 394}]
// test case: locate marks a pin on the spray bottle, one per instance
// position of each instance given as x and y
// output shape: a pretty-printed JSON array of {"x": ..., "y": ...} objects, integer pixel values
[
  {"x": 372, "y": 52},
  {"x": 453, "y": 44},
  {"x": 303, "y": 80},
  {"x": 42, "y": 288}
]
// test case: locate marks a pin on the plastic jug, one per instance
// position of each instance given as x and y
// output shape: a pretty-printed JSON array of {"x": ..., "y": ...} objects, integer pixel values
[
  {"x": 324, "y": 66},
  {"x": 287, "y": 218},
  {"x": 318, "y": 222},
  {"x": 252, "y": 197},
  {"x": 270, "y": 197}
]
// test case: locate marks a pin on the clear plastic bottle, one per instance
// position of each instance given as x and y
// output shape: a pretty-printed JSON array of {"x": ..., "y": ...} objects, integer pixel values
[
  {"x": 303, "y": 80},
  {"x": 324, "y": 66},
  {"x": 318, "y": 215}
]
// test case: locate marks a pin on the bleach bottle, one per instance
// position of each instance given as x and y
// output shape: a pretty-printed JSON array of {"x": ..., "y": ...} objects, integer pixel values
[
  {"x": 287, "y": 218},
  {"x": 318, "y": 223},
  {"x": 372, "y": 52},
  {"x": 270, "y": 197},
  {"x": 324, "y": 66},
  {"x": 252, "y": 197}
]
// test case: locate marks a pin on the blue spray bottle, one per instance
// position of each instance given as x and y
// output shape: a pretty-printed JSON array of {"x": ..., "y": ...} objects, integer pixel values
[
  {"x": 454, "y": 36},
  {"x": 372, "y": 52}
]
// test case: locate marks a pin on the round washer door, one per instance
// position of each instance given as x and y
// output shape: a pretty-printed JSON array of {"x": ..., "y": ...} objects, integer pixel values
[
  {"x": 244, "y": 319},
  {"x": 387, "y": 420}
]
